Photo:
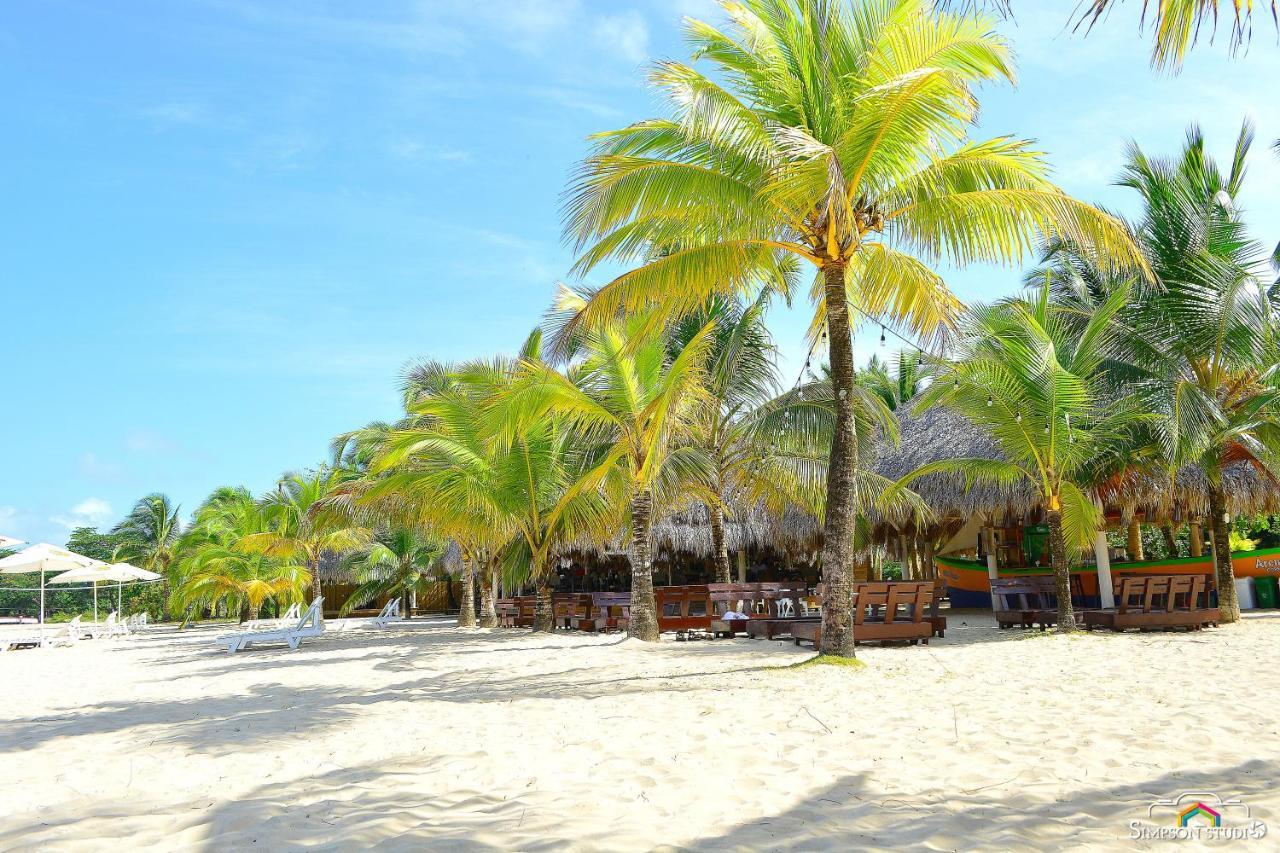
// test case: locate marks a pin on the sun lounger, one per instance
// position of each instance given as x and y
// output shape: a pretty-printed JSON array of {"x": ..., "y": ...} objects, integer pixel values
[
  {"x": 390, "y": 613},
  {"x": 309, "y": 625},
  {"x": 1157, "y": 602},
  {"x": 289, "y": 617},
  {"x": 109, "y": 629}
]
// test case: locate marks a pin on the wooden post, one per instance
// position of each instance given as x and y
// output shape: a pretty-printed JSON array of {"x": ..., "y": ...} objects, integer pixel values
[
  {"x": 1197, "y": 539},
  {"x": 930, "y": 568},
  {"x": 904, "y": 556},
  {"x": 1103, "y": 557},
  {"x": 993, "y": 568},
  {"x": 742, "y": 565},
  {"x": 1135, "y": 541}
]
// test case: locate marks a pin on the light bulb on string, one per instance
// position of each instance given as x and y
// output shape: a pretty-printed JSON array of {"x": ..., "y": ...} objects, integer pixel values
[
  {"x": 991, "y": 401},
  {"x": 882, "y": 336}
]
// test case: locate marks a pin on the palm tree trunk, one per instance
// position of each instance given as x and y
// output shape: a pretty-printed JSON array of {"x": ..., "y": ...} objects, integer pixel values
[
  {"x": 467, "y": 612},
  {"x": 406, "y": 605},
  {"x": 1170, "y": 541},
  {"x": 314, "y": 565},
  {"x": 488, "y": 609},
  {"x": 1228, "y": 605},
  {"x": 544, "y": 617},
  {"x": 245, "y": 611},
  {"x": 643, "y": 623},
  {"x": 720, "y": 553},
  {"x": 837, "y": 544},
  {"x": 1061, "y": 571}
]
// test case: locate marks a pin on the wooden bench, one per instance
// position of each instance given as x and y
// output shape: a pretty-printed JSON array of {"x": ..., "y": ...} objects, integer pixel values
[
  {"x": 759, "y": 601},
  {"x": 683, "y": 608},
  {"x": 567, "y": 605},
  {"x": 1031, "y": 601},
  {"x": 609, "y": 611},
  {"x": 882, "y": 611},
  {"x": 1157, "y": 602},
  {"x": 517, "y": 611}
]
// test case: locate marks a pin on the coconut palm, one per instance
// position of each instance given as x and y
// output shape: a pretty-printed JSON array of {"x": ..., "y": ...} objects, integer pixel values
[
  {"x": 436, "y": 467},
  {"x": 1039, "y": 385},
  {"x": 1176, "y": 25},
  {"x": 897, "y": 386},
  {"x": 1212, "y": 324},
  {"x": 827, "y": 134},
  {"x": 148, "y": 537},
  {"x": 398, "y": 562},
  {"x": 633, "y": 405},
  {"x": 302, "y": 527},
  {"x": 762, "y": 445},
  {"x": 211, "y": 570}
]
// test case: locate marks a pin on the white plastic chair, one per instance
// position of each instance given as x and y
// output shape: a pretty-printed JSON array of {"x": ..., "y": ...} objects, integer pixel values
[{"x": 390, "y": 613}]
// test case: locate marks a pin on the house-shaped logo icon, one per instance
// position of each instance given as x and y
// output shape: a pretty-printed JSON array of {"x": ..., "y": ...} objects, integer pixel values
[{"x": 1199, "y": 814}]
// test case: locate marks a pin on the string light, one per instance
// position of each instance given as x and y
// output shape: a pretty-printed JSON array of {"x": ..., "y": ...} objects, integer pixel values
[
  {"x": 1018, "y": 417},
  {"x": 990, "y": 400},
  {"x": 881, "y": 335}
]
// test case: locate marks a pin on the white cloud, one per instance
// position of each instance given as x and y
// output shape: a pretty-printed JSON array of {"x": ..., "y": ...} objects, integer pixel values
[
  {"x": 99, "y": 469},
  {"x": 413, "y": 150},
  {"x": 149, "y": 441},
  {"x": 90, "y": 512},
  {"x": 626, "y": 35}
]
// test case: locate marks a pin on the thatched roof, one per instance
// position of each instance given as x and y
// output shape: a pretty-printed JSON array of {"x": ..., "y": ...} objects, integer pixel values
[
  {"x": 334, "y": 570},
  {"x": 689, "y": 531},
  {"x": 941, "y": 433}
]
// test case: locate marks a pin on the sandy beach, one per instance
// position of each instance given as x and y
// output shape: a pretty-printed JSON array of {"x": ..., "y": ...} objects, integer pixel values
[{"x": 424, "y": 736}]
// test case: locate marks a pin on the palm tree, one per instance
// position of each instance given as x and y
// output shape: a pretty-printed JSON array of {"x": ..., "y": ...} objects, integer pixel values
[
  {"x": 762, "y": 445},
  {"x": 437, "y": 467},
  {"x": 209, "y": 569},
  {"x": 634, "y": 404},
  {"x": 1211, "y": 325},
  {"x": 895, "y": 387},
  {"x": 1176, "y": 24},
  {"x": 399, "y": 561},
  {"x": 832, "y": 135},
  {"x": 148, "y": 537},
  {"x": 302, "y": 527},
  {"x": 1040, "y": 387}
]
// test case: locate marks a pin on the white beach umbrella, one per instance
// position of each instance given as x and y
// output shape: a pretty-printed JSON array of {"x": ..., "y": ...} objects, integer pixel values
[
  {"x": 44, "y": 558},
  {"x": 119, "y": 573},
  {"x": 9, "y": 541}
]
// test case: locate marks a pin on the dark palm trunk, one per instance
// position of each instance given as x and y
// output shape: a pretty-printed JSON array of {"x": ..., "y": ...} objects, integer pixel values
[
  {"x": 720, "y": 553},
  {"x": 406, "y": 604},
  {"x": 246, "y": 612},
  {"x": 488, "y": 609},
  {"x": 467, "y": 612},
  {"x": 544, "y": 617},
  {"x": 644, "y": 609},
  {"x": 1061, "y": 571},
  {"x": 314, "y": 566},
  {"x": 837, "y": 546},
  {"x": 1170, "y": 541},
  {"x": 1228, "y": 605}
]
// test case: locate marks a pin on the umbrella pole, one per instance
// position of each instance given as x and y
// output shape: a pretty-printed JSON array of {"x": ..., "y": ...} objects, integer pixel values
[
  {"x": 95, "y": 602},
  {"x": 42, "y": 598},
  {"x": 119, "y": 597}
]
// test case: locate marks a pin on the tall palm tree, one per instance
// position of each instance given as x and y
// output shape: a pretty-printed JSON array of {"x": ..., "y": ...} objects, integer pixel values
[
  {"x": 1212, "y": 324},
  {"x": 762, "y": 445},
  {"x": 149, "y": 536},
  {"x": 634, "y": 404},
  {"x": 1176, "y": 25},
  {"x": 1040, "y": 387},
  {"x": 897, "y": 386},
  {"x": 834, "y": 135},
  {"x": 437, "y": 467},
  {"x": 302, "y": 527}
]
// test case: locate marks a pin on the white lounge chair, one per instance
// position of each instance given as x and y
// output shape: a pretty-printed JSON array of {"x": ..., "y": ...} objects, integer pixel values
[
  {"x": 110, "y": 628},
  {"x": 390, "y": 613},
  {"x": 310, "y": 625},
  {"x": 289, "y": 617}
]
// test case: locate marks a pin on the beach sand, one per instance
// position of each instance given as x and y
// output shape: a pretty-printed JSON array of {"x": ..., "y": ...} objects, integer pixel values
[{"x": 425, "y": 736}]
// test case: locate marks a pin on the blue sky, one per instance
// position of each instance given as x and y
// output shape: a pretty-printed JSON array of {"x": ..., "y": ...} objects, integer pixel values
[{"x": 227, "y": 224}]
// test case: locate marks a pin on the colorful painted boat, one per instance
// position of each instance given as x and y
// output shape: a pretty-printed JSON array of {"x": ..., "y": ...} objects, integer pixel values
[{"x": 968, "y": 584}]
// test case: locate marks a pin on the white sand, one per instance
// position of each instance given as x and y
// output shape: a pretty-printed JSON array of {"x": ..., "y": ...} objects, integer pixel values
[{"x": 423, "y": 736}]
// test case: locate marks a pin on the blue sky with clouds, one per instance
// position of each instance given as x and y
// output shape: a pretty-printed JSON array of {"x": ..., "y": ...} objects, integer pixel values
[{"x": 227, "y": 224}]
